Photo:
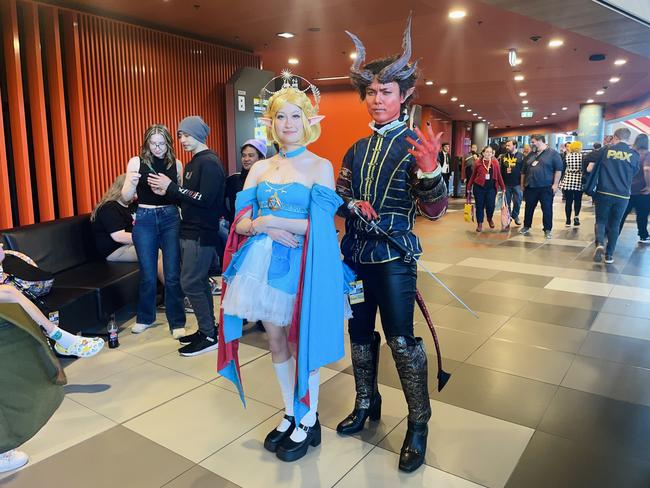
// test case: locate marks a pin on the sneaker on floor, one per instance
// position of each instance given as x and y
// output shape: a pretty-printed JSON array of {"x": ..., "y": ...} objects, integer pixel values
[
  {"x": 201, "y": 345},
  {"x": 576, "y": 221},
  {"x": 598, "y": 254},
  {"x": 178, "y": 333},
  {"x": 525, "y": 231},
  {"x": 84, "y": 347},
  {"x": 548, "y": 234},
  {"x": 609, "y": 259},
  {"x": 187, "y": 305},
  {"x": 644, "y": 240},
  {"x": 517, "y": 222},
  {"x": 138, "y": 328},
  {"x": 567, "y": 223},
  {"x": 12, "y": 460},
  {"x": 188, "y": 339}
]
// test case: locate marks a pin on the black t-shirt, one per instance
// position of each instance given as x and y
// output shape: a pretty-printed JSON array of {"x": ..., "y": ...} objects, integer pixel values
[
  {"x": 146, "y": 196},
  {"x": 511, "y": 165},
  {"x": 110, "y": 218},
  {"x": 234, "y": 184}
]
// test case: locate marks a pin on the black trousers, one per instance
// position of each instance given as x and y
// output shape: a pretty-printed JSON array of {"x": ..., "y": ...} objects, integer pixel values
[
  {"x": 544, "y": 196},
  {"x": 641, "y": 204},
  {"x": 391, "y": 287},
  {"x": 573, "y": 198}
]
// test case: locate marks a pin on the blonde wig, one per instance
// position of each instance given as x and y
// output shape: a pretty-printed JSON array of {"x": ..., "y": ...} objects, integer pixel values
[
  {"x": 298, "y": 98},
  {"x": 575, "y": 146}
]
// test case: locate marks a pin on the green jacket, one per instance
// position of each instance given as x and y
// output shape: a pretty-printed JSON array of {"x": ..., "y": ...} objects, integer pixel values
[{"x": 31, "y": 378}]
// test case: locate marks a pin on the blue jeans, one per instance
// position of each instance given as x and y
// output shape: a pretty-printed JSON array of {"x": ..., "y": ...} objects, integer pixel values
[
  {"x": 485, "y": 199},
  {"x": 158, "y": 228},
  {"x": 514, "y": 196},
  {"x": 609, "y": 213}
]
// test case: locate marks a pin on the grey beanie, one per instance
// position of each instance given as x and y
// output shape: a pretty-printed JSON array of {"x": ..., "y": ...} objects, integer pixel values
[{"x": 195, "y": 127}]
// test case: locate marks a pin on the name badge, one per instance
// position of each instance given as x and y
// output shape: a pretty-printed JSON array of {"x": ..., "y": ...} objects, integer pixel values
[
  {"x": 535, "y": 163},
  {"x": 487, "y": 176},
  {"x": 356, "y": 292}
]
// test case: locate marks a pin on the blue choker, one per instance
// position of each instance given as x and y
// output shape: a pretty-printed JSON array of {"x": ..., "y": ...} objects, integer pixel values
[{"x": 293, "y": 153}]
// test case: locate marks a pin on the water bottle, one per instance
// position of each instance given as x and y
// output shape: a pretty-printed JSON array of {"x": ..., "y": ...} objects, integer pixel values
[{"x": 113, "y": 341}]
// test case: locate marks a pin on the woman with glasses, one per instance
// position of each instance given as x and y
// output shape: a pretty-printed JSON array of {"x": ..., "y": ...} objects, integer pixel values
[{"x": 156, "y": 226}]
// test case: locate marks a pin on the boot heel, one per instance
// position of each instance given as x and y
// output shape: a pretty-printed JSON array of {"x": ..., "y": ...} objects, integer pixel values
[
  {"x": 316, "y": 439},
  {"x": 375, "y": 411}
]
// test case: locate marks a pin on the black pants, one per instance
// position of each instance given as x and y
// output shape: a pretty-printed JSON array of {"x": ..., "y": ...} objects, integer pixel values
[
  {"x": 544, "y": 196},
  {"x": 573, "y": 197},
  {"x": 641, "y": 205},
  {"x": 390, "y": 287},
  {"x": 485, "y": 201}
]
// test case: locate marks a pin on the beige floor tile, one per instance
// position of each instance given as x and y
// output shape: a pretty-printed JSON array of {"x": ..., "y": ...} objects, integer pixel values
[
  {"x": 71, "y": 424},
  {"x": 528, "y": 361},
  {"x": 468, "y": 272},
  {"x": 467, "y": 444},
  {"x": 458, "y": 318},
  {"x": 323, "y": 466},
  {"x": 455, "y": 344},
  {"x": 337, "y": 401},
  {"x": 106, "y": 363},
  {"x": 434, "y": 266},
  {"x": 636, "y": 281},
  {"x": 613, "y": 380},
  {"x": 136, "y": 390},
  {"x": 213, "y": 416},
  {"x": 580, "y": 286},
  {"x": 622, "y": 325},
  {"x": 199, "y": 477},
  {"x": 555, "y": 337},
  {"x": 379, "y": 470},
  {"x": 631, "y": 293},
  {"x": 597, "y": 276},
  {"x": 204, "y": 367},
  {"x": 150, "y": 344},
  {"x": 515, "y": 267},
  {"x": 258, "y": 378}
]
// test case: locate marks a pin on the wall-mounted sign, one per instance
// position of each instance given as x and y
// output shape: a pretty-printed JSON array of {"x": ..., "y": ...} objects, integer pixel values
[{"x": 526, "y": 115}]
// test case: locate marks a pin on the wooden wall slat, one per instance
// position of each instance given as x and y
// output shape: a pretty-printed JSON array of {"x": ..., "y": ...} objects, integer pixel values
[
  {"x": 6, "y": 220},
  {"x": 11, "y": 45}
]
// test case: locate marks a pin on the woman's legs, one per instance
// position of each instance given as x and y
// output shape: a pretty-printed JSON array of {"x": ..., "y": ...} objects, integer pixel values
[
  {"x": 479, "y": 198},
  {"x": 128, "y": 254},
  {"x": 285, "y": 368},
  {"x": 577, "y": 203},
  {"x": 145, "y": 240},
  {"x": 168, "y": 229},
  {"x": 490, "y": 203},
  {"x": 568, "y": 203}
]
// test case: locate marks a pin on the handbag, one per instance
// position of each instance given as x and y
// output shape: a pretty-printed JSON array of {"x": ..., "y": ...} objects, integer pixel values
[
  {"x": 591, "y": 179},
  {"x": 506, "y": 218},
  {"x": 468, "y": 212}
]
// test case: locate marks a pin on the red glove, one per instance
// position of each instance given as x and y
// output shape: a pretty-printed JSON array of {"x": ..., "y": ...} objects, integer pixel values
[
  {"x": 426, "y": 150},
  {"x": 366, "y": 210}
]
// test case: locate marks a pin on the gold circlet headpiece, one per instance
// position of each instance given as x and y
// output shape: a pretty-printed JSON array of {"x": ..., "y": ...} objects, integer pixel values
[{"x": 290, "y": 80}]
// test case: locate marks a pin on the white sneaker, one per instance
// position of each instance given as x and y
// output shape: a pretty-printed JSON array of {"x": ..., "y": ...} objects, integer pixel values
[
  {"x": 12, "y": 460},
  {"x": 138, "y": 328},
  {"x": 178, "y": 333}
]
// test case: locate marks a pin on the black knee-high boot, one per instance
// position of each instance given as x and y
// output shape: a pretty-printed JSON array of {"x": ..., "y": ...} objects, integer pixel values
[
  {"x": 411, "y": 362},
  {"x": 365, "y": 363}
]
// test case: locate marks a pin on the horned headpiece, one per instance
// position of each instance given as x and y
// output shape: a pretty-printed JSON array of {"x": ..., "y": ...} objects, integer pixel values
[{"x": 398, "y": 70}]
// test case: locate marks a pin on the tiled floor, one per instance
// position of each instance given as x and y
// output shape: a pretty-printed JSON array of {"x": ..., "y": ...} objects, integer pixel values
[{"x": 550, "y": 386}]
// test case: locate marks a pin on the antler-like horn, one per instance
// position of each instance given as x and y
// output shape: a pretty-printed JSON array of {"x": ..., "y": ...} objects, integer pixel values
[
  {"x": 395, "y": 70},
  {"x": 357, "y": 74}
]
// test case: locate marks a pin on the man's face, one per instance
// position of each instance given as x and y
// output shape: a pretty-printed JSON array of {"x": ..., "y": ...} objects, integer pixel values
[
  {"x": 187, "y": 141},
  {"x": 539, "y": 145},
  {"x": 445, "y": 148},
  {"x": 510, "y": 147},
  {"x": 473, "y": 148},
  {"x": 383, "y": 101},
  {"x": 249, "y": 157},
  {"x": 526, "y": 149}
]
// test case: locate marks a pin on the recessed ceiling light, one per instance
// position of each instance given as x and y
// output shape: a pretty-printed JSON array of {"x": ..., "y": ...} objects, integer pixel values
[
  {"x": 428, "y": 83},
  {"x": 526, "y": 108},
  {"x": 524, "y": 101},
  {"x": 591, "y": 100},
  {"x": 519, "y": 77},
  {"x": 620, "y": 62},
  {"x": 474, "y": 115},
  {"x": 286, "y": 35},
  {"x": 522, "y": 94},
  {"x": 462, "y": 105},
  {"x": 521, "y": 124},
  {"x": 469, "y": 109},
  {"x": 443, "y": 91},
  {"x": 519, "y": 61},
  {"x": 353, "y": 55},
  {"x": 293, "y": 61},
  {"x": 600, "y": 92},
  {"x": 565, "y": 108},
  {"x": 554, "y": 113},
  {"x": 555, "y": 43},
  {"x": 454, "y": 99},
  {"x": 457, "y": 14},
  {"x": 545, "y": 117},
  {"x": 614, "y": 79}
]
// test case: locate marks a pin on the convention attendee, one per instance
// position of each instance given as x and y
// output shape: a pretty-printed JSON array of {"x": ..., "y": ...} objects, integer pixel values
[
  {"x": 571, "y": 183},
  {"x": 157, "y": 227},
  {"x": 511, "y": 164},
  {"x": 640, "y": 190},
  {"x": 540, "y": 180},
  {"x": 201, "y": 199},
  {"x": 252, "y": 151},
  {"x": 444, "y": 160},
  {"x": 288, "y": 272},
  {"x": 486, "y": 180},
  {"x": 389, "y": 284},
  {"x": 617, "y": 166}
]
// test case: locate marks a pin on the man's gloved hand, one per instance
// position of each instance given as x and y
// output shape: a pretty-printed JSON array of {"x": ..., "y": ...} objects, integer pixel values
[
  {"x": 426, "y": 149},
  {"x": 365, "y": 208}
]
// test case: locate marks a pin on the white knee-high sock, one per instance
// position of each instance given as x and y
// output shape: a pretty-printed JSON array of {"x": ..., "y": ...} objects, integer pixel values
[
  {"x": 286, "y": 374},
  {"x": 309, "y": 419}
]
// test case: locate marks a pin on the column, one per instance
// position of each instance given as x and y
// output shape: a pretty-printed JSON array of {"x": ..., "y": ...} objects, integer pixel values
[
  {"x": 480, "y": 134},
  {"x": 591, "y": 124}
]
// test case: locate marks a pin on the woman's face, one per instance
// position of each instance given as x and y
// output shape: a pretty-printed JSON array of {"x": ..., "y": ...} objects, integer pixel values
[
  {"x": 288, "y": 124},
  {"x": 488, "y": 153},
  {"x": 157, "y": 145},
  {"x": 249, "y": 157}
]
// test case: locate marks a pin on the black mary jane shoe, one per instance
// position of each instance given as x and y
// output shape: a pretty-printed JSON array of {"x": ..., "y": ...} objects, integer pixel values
[
  {"x": 411, "y": 456},
  {"x": 290, "y": 451},
  {"x": 275, "y": 437},
  {"x": 355, "y": 422}
]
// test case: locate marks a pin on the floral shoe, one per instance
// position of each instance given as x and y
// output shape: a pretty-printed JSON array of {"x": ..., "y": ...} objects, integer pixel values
[{"x": 84, "y": 347}]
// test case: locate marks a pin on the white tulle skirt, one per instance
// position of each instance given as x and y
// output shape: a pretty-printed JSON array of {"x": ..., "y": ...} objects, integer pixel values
[{"x": 249, "y": 295}]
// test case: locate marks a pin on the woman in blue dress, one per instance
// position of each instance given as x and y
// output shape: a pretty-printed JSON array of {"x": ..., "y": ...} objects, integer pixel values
[{"x": 288, "y": 273}]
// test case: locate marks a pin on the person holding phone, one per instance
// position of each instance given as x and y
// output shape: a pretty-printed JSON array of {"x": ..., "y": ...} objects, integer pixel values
[{"x": 157, "y": 226}]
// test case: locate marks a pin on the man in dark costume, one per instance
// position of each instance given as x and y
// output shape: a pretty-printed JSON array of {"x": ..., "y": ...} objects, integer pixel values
[{"x": 388, "y": 177}]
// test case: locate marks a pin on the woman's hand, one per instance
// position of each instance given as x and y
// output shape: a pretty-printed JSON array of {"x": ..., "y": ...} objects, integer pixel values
[
  {"x": 262, "y": 224},
  {"x": 283, "y": 237}
]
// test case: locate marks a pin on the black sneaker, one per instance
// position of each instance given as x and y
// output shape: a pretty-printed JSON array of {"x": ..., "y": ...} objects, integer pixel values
[
  {"x": 202, "y": 345},
  {"x": 567, "y": 223},
  {"x": 644, "y": 240},
  {"x": 188, "y": 339},
  {"x": 576, "y": 221},
  {"x": 609, "y": 259}
]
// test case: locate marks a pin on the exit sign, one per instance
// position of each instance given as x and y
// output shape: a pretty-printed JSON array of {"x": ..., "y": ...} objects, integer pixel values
[{"x": 526, "y": 115}]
